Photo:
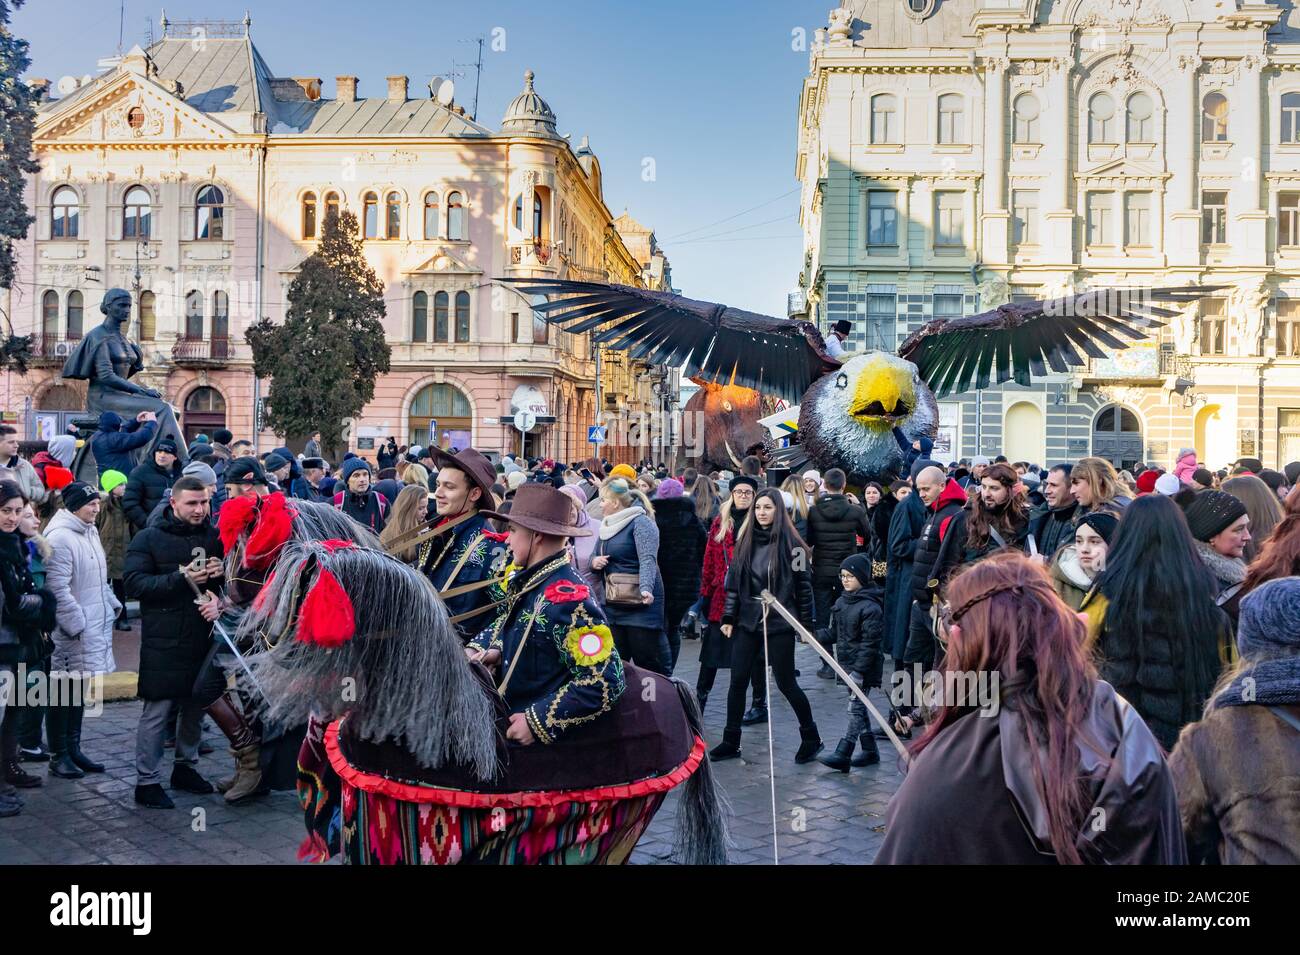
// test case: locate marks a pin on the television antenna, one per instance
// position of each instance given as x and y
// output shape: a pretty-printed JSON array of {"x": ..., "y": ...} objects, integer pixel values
[{"x": 478, "y": 71}]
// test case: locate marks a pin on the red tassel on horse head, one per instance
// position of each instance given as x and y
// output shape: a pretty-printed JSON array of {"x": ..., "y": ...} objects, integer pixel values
[
  {"x": 236, "y": 514},
  {"x": 272, "y": 530},
  {"x": 327, "y": 617}
]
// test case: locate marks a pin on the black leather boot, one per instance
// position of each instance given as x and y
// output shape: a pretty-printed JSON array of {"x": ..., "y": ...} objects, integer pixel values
[
  {"x": 729, "y": 748},
  {"x": 840, "y": 758},
  {"x": 756, "y": 714},
  {"x": 15, "y": 775},
  {"x": 811, "y": 745},
  {"x": 84, "y": 762},
  {"x": 870, "y": 754},
  {"x": 56, "y": 725}
]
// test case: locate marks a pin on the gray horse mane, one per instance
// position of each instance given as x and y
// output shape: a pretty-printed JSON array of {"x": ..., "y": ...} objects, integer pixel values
[{"x": 403, "y": 677}]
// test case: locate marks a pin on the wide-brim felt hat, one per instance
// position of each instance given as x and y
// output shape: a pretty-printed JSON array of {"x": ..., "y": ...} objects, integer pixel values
[
  {"x": 541, "y": 508},
  {"x": 480, "y": 471}
]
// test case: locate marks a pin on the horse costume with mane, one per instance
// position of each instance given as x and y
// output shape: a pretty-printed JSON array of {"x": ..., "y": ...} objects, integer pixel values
[{"x": 406, "y": 759}]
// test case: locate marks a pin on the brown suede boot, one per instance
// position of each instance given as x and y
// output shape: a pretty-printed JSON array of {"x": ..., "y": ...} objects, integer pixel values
[{"x": 247, "y": 780}]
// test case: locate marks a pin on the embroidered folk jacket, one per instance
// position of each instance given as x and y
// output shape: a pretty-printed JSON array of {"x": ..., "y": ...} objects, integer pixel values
[
  {"x": 480, "y": 554},
  {"x": 558, "y": 663}
]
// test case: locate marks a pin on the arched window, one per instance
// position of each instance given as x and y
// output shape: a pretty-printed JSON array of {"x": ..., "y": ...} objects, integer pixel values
[
  {"x": 1214, "y": 118},
  {"x": 884, "y": 118},
  {"x": 950, "y": 118},
  {"x": 204, "y": 411},
  {"x": 393, "y": 218},
  {"x": 431, "y": 215},
  {"x": 462, "y": 316},
  {"x": 447, "y": 410},
  {"x": 148, "y": 317},
  {"x": 440, "y": 317},
  {"x": 455, "y": 217},
  {"x": 309, "y": 216},
  {"x": 537, "y": 214},
  {"x": 136, "y": 213},
  {"x": 1101, "y": 119},
  {"x": 1141, "y": 119},
  {"x": 370, "y": 216},
  {"x": 50, "y": 315},
  {"x": 420, "y": 317},
  {"x": 220, "y": 316},
  {"x": 209, "y": 212},
  {"x": 75, "y": 314},
  {"x": 194, "y": 315},
  {"x": 331, "y": 204},
  {"x": 1291, "y": 117},
  {"x": 1026, "y": 114},
  {"x": 64, "y": 214}
]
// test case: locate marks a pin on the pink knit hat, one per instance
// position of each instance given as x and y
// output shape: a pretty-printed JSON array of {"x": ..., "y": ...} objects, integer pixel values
[{"x": 670, "y": 487}]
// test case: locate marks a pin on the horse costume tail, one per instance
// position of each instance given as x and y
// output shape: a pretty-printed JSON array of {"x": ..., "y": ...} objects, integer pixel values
[{"x": 701, "y": 825}]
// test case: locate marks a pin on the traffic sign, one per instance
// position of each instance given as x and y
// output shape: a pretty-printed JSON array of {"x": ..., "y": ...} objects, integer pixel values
[
  {"x": 525, "y": 421},
  {"x": 596, "y": 434}
]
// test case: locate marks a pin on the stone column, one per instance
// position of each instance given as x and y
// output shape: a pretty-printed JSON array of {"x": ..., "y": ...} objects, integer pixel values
[
  {"x": 1181, "y": 151},
  {"x": 1059, "y": 143},
  {"x": 1247, "y": 219},
  {"x": 993, "y": 236}
]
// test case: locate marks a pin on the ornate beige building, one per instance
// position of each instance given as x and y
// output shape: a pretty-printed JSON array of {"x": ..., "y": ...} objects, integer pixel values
[
  {"x": 960, "y": 153},
  {"x": 191, "y": 173}
]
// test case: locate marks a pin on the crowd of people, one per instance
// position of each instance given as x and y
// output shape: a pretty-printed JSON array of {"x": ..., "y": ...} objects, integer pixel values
[{"x": 1146, "y": 620}]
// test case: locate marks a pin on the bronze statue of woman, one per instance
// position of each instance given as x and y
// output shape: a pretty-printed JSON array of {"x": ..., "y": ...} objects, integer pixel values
[{"x": 108, "y": 359}]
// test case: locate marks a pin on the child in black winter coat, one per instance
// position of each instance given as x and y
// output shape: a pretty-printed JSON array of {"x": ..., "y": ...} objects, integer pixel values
[{"x": 858, "y": 625}]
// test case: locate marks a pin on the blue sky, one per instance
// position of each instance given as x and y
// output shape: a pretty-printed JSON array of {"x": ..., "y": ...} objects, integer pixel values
[{"x": 707, "y": 89}]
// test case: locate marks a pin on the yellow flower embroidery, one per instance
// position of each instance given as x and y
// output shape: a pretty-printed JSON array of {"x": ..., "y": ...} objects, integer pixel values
[{"x": 590, "y": 644}]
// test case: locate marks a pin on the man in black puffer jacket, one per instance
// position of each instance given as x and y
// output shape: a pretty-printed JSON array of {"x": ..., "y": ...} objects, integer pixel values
[
  {"x": 174, "y": 637},
  {"x": 1052, "y": 524},
  {"x": 834, "y": 526},
  {"x": 148, "y": 483}
]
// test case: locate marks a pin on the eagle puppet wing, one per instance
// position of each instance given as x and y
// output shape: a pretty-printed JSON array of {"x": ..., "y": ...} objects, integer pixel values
[
  {"x": 712, "y": 342},
  {"x": 1018, "y": 341}
]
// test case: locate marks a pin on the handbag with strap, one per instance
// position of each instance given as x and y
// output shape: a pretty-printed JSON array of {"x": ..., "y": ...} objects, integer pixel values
[{"x": 621, "y": 590}]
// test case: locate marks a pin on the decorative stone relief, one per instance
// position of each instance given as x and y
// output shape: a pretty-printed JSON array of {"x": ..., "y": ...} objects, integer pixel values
[
  {"x": 118, "y": 126},
  {"x": 1246, "y": 304},
  {"x": 996, "y": 64},
  {"x": 1184, "y": 326},
  {"x": 993, "y": 292},
  {"x": 841, "y": 26}
]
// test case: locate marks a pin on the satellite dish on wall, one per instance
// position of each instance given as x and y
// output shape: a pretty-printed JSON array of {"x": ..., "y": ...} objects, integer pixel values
[
  {"x": 446, "y": 90},
  {"x": 66, "y": 85}
]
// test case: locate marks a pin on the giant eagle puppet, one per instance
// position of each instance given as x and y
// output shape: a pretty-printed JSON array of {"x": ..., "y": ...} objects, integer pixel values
[{"x": 850, "y": 407}]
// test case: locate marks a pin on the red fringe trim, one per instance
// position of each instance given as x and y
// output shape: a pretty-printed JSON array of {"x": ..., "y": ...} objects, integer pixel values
[
  {"x": 272, "y": 530},
  {"x": 464, "y": 799},
  {"x": 236, "y": 514}
]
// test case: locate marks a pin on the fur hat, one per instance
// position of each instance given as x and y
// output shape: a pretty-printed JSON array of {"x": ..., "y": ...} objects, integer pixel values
[{"x": 1211, "y": 512}]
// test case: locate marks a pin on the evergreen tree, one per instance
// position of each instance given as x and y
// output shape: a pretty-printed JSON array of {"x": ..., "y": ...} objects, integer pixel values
[
  {"x": 324, "y": 359},
  {"x": 17, "y": 124}
]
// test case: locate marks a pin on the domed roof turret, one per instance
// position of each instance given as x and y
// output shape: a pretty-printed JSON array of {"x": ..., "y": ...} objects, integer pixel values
[{"x": 528, "y": 114}]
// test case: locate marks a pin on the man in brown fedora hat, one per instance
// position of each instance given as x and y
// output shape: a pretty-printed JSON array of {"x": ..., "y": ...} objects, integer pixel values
[
  {"x": 550, "y": 647},
  {"x": 467, "y": 554}
]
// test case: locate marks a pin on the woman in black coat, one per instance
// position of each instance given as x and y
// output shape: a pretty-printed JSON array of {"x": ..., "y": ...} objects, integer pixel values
[
  {"x": 26, "y": 616},
  {"x": 766, "y": 548},
  {"x": 880, "y": 506},
  {"x": 681, "y": 558}
]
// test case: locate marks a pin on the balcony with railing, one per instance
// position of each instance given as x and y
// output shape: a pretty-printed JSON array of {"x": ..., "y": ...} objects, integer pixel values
[
  {"x": 52, "y": 349},
  {"x": 202, "y": 352}
]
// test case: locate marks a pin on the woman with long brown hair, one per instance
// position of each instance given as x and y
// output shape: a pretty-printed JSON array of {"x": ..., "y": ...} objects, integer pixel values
[
  {"x": 1096, "y": 486},
  {"x": 1029, "y": 741},
  {"x": 1279, "y": 555},
  {"x": 409, "y": 510},
  {"x": 1262, "y": 506}
]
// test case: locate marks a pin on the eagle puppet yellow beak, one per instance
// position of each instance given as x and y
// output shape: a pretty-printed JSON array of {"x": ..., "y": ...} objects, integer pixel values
[{"x": 883, "y": 393}]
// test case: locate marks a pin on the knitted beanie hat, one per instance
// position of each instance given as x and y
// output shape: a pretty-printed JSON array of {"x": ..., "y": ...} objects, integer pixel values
[
  {"x": 1168, "y": 485},
  {"x": 1269, "y": 624},
  {"x": 1211, "y": 512},
  {"x": 111, "y": 479},
  {"x": 859, "y": 565},
  {"x": 78, "y": 494},
  {"x": 1146, "y": 481},
  {"x": 624, "y": 471},
  {"x": 1103, "y": 522},
  {"x": 352, "y": 465},
  {"x": 515, "y": 478},
  {"x": 670, "y": 487},
  {"x": 1204, "y": 477},
  {"x": 1292, "y": 472},
  {"x": 199, "y": 470}
]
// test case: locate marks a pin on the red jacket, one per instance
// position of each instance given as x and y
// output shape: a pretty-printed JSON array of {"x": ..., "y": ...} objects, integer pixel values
[{"x": 717, "y": 558}]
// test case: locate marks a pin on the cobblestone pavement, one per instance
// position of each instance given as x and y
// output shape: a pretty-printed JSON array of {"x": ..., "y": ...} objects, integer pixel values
[{"x": 822, "y": 816}]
